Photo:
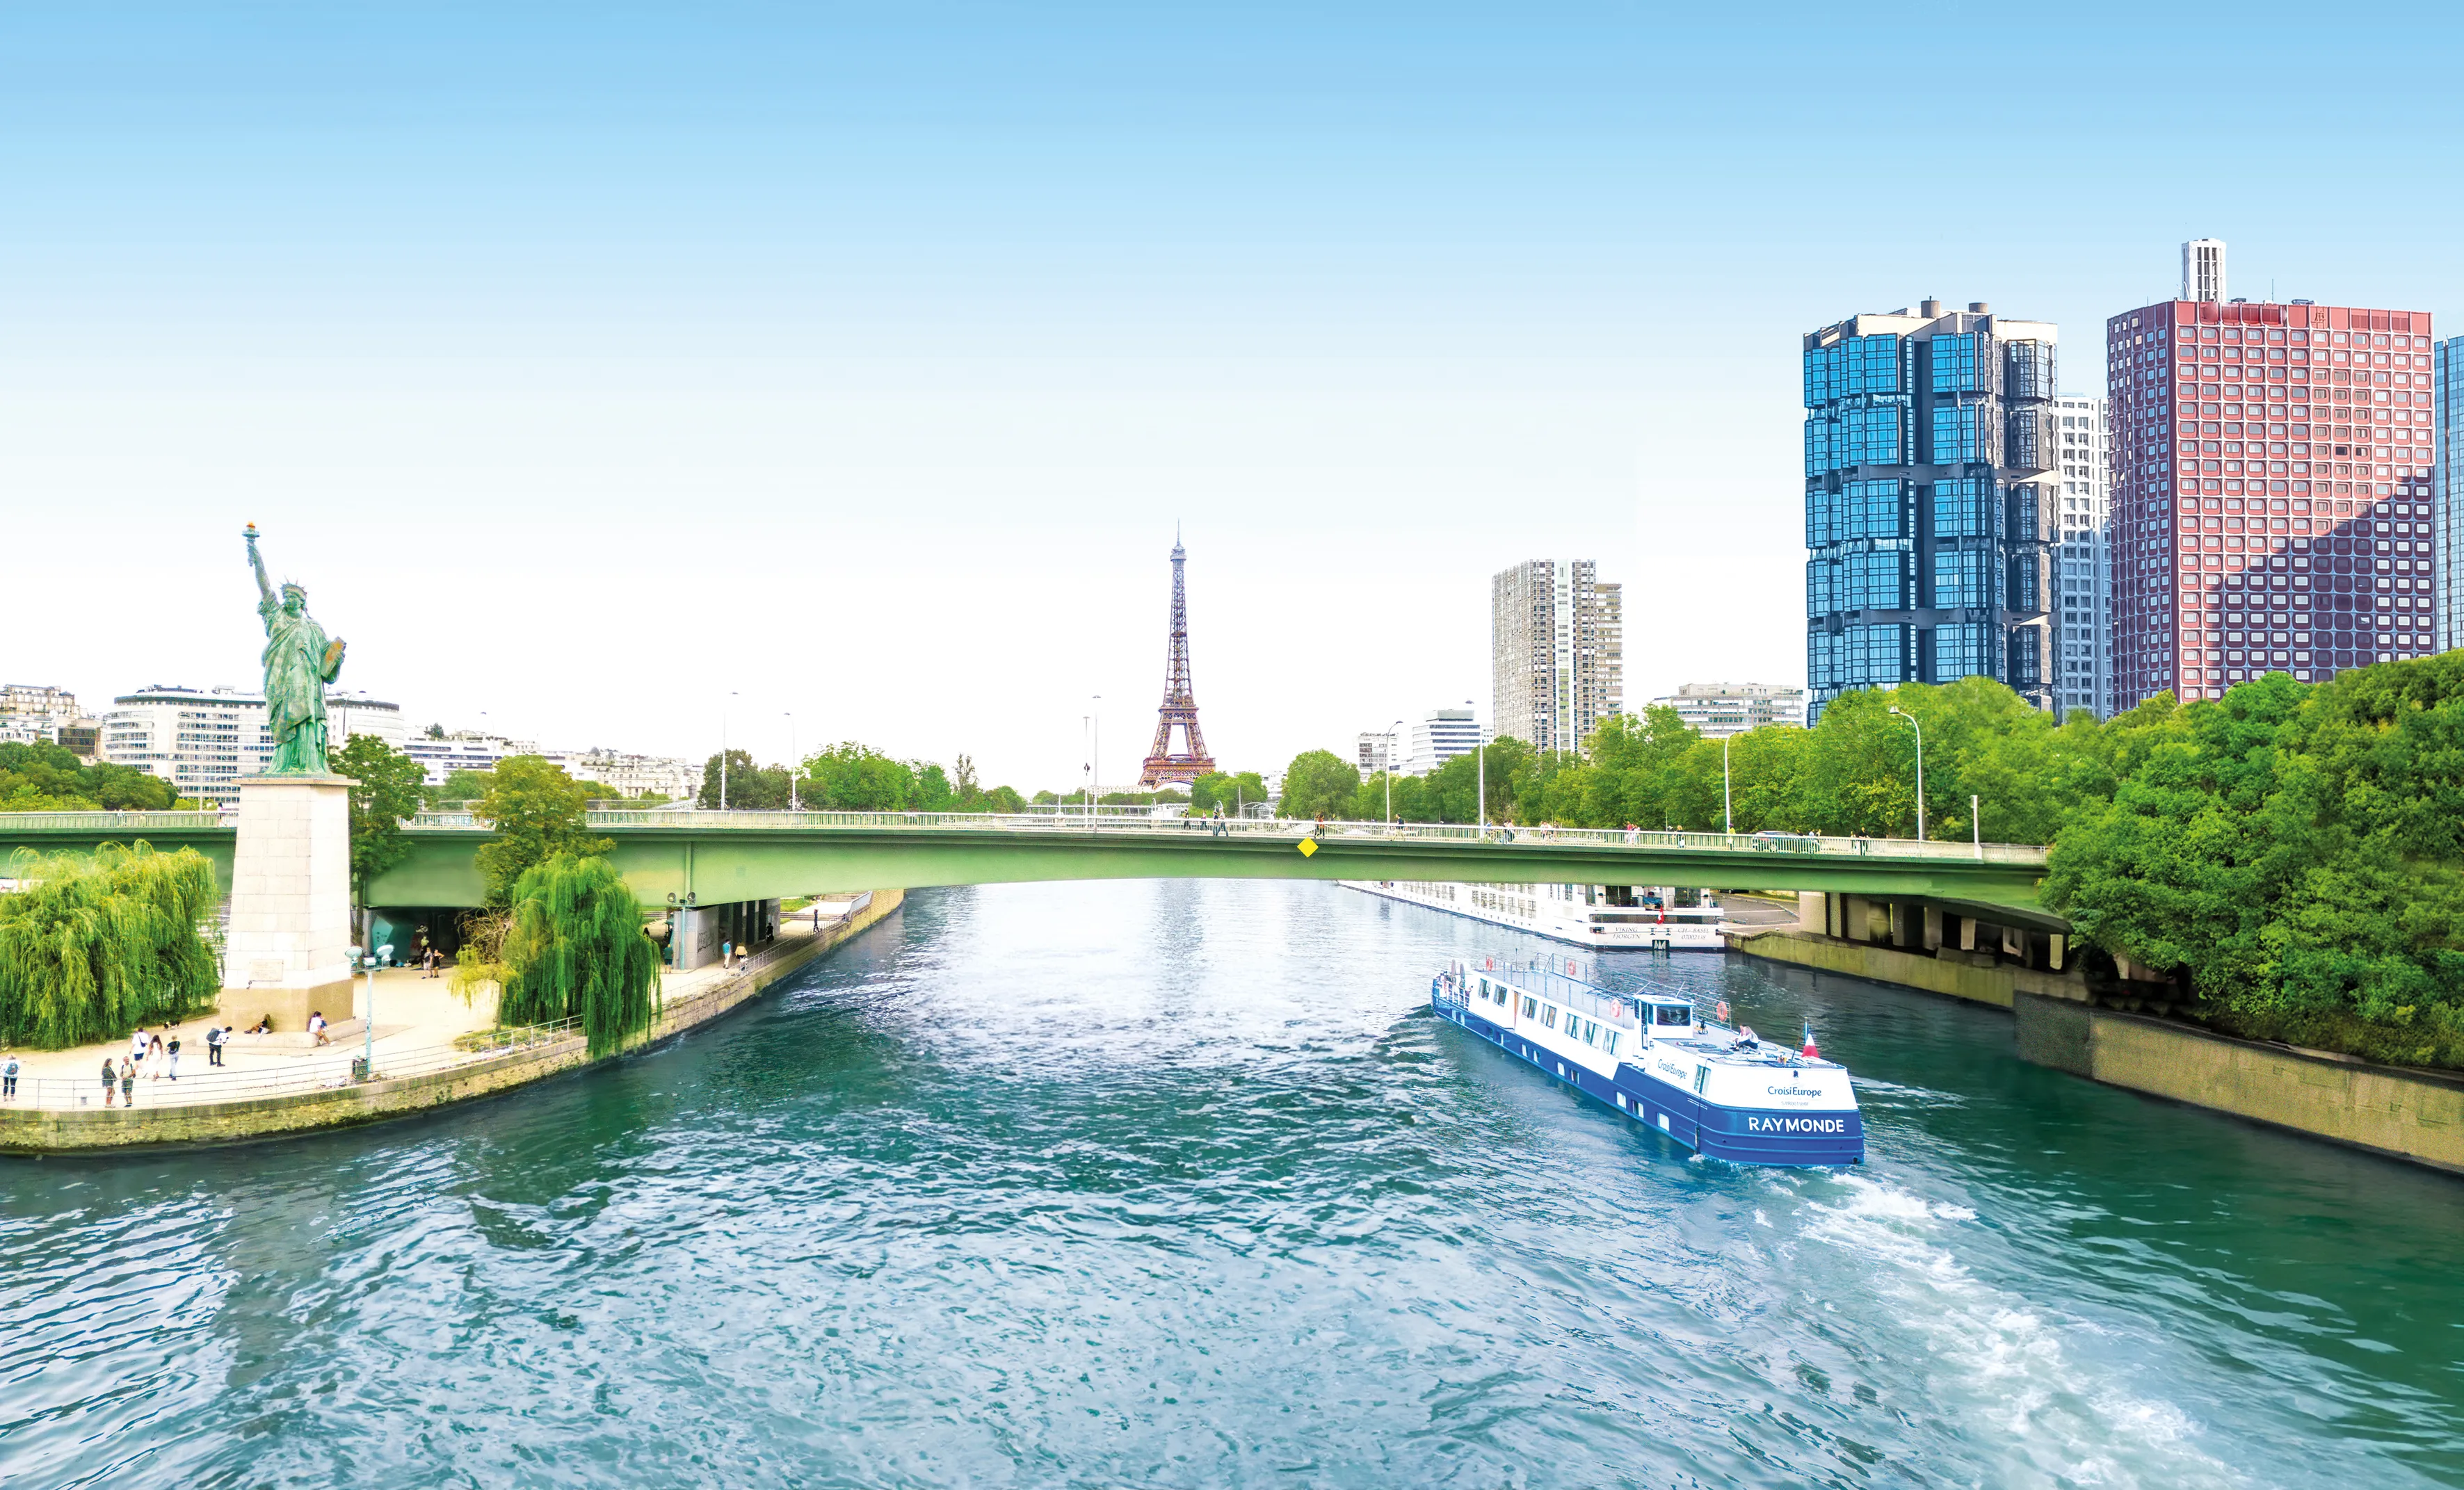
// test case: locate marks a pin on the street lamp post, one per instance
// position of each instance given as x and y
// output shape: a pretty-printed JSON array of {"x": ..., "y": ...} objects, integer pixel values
[
  {"x": 1976, "y": 825},
  {"x": 1390, "y": 772},
  {"x": 1919, "y": 729},
  {"x": 795, "y": 803},
  {"x": 1095, "y": 758},
  {"x": 722, "y": 755},
  {"x": 1728, "y": 799},
  {"x": 1480, "y": 753}
]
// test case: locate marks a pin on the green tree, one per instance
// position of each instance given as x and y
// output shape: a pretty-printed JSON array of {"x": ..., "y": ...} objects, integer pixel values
[
  {"x": 1319, "y": 783},
  {"x": 387, "y": 791},
  {"x": 458, "y": 786},
  {"x": 574, "y": 949},
  {"x": 45, "y": 777},
  {"x": 538, "y": 812},
  {"x": 750, "y": 788},
  {"x": 1233, "y": 791},
  {"x": 93, "y": 945}
]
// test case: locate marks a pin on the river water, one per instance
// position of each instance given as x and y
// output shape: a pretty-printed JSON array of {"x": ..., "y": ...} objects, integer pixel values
[{"x": 1180, "y": 1184}]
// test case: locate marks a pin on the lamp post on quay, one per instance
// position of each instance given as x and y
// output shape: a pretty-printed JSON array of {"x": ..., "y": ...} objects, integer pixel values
[
  {"x": 1390, "y": 773},
  {"x": 1919, "y": 729}
]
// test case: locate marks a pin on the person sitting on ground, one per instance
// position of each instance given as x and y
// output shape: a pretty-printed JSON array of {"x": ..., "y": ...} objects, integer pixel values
[
  {"x": 317, "y": 1025},
  {"x": 1746, "y": 1038},
  {"x": 264, "y": 1025}
]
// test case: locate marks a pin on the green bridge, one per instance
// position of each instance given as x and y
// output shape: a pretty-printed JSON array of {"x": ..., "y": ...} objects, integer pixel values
[{"x": 720, "y": 857}]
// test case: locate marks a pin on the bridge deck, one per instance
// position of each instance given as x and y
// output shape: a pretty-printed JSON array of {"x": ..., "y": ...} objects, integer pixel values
[{"x": 725, "y": 856}]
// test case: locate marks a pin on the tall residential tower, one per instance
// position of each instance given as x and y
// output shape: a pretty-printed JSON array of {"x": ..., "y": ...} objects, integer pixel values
[
  {"x": 1929, "y": 500},
  {"x": 2273, "y": 491},
  {"x": 2448, "y": 541},
  {"x": 2084, "y": 562},
  {"x": 1556, "y": 652}
]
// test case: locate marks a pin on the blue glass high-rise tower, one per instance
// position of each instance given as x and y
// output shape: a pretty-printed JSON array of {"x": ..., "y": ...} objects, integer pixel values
[{"x": 1929, "y": 522}]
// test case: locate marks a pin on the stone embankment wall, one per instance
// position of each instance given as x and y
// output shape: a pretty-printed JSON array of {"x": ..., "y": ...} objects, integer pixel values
[
  {"x": 91, "y": 1130},
  {"x": 2405, "y": 1114}
]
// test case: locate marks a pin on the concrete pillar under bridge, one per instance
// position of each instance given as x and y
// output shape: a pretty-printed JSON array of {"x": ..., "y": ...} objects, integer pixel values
[{"x": 1952, "y": 931}]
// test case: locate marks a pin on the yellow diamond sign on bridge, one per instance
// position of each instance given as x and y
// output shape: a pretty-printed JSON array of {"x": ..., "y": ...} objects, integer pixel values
[{"x": 1308, "y": 846}]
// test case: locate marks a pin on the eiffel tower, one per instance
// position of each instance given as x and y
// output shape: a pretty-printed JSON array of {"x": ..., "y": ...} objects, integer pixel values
[{"x": 1179, "y": 706}]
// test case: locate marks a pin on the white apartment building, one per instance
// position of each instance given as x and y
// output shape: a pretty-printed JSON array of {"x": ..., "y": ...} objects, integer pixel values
[
  {"x": 1556, "y": 652},
  {"x": 1371, "y": 753},
  {"x": 1438, "y": 737},
  {"x": 624, "y": 775},
  {"x": 1424, "y": 744},
  {"x": 38, "y": 713},
  {"x": 461, "y": 750},
  {"x": 2083, "y": 560},
  {"x": 1717, "y": 710},
  {"x": 631, "y": 776},
  {"x": 202, "y": 740}
]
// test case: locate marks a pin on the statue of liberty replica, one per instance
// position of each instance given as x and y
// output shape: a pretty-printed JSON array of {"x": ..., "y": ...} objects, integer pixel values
[{"x": 300, "y": 661}]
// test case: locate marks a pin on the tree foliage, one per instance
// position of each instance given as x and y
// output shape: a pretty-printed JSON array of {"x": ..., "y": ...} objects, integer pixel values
[
  {"x": 1234, "y": 791},
  {"x": 538, "y": 812},
  {"x": 458, "y": 786},
  {"x": 51, "y": 779},
  {"x": 573, "y": 948},
  {"x": 95, "y": 947},
  {"x": 388, "y": 791},
  {"x": 1319, "y": 783},
  {"x": 2293, "y": 854}
]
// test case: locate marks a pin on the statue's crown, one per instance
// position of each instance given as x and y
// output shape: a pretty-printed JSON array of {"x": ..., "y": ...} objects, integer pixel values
[{"x": 290, "y": 588}]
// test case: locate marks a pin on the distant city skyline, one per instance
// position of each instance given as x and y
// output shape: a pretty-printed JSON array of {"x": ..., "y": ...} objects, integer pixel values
[{"x": 889, "y": 347}]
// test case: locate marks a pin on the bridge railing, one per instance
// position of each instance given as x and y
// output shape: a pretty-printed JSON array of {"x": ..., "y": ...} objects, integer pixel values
[
  {"x": 1288, "y": 830},
  {"x": 112, "y": 823}
]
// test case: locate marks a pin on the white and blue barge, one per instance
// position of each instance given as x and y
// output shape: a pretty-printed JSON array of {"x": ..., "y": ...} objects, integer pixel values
[{"x": 1656, "y": 1059}]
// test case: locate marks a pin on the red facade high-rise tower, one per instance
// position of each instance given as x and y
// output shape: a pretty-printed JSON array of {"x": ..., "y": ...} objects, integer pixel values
[
  {"x": 1179, "y": 706},
  {"x": 2272, "y": 492}
]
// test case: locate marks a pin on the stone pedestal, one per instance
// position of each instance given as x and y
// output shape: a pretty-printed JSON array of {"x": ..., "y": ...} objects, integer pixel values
[{"x": 288, "y": 951}]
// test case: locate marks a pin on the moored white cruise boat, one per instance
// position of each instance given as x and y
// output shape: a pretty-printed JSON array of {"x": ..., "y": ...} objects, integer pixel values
[
  {"x": 1653, "y": 1057},
  {"x": 1644, "y": 917}
]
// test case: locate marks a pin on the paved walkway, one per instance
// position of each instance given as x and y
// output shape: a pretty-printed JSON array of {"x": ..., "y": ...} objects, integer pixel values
[{"x": 418, "y": 1019}]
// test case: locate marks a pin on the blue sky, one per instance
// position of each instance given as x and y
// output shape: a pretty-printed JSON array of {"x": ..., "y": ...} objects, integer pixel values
[{"x": 592, "y": 364}]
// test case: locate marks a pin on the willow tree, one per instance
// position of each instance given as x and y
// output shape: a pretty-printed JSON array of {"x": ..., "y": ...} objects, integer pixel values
[
  {"x": 573, "y": 948},
  {"x": 92, "y": 947}
]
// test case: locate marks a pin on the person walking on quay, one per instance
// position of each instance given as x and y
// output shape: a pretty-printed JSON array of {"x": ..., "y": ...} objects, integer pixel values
[
  {"x": 214, "y": 1044},
  {"x": 128, "y": 1082},
  {"x": 171, "y": 1048},
  {"x": 152, "y": 1065},
  {"x": 136, "y": 1044},
  {"x": 110, "y": 1080},
  {"x": 9, "y": 1077}
]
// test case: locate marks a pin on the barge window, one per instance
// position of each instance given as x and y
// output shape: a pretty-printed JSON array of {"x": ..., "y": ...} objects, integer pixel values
[
  {"x": 1591, "y": 1032},
  {"x": 1611, "y": 1046},
  {"x": 1530, "y": 1007},
  {"x": 1671, "y": 1014},
  {"x": 1548, "y": 1016}
]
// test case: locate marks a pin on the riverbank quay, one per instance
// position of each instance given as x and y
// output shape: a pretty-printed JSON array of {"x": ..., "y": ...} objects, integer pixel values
[
  {"x": 308, "y": 1093},
  {"x": 2059, "y": 1021}
]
